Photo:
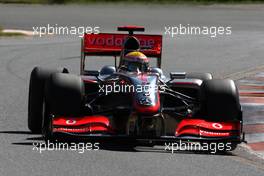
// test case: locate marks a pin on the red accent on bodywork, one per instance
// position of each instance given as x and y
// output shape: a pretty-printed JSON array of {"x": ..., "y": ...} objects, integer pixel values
[
  {"x": 89, "y": 129},
  {"x": 203, "y": 128},
  {"x": 143, "y": 77},
  {"x": 80, "y": 120},
  {"x": 87, "y": 80},
  {"x": 110, "y": 44},
  {"x": 81, "y": 124}
]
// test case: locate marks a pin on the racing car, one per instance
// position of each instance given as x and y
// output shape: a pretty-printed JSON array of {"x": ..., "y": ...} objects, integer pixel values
[{"x": 132, "y": 99}]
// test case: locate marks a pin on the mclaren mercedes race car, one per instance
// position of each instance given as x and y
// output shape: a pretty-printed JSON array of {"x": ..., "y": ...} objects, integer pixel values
[{"x": 132, "y": 99}]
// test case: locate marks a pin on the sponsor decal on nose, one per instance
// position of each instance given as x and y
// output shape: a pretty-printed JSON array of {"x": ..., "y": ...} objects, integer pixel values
[
  {"x": 217, "y": 125},
  {"x": 70, "y": 122}
]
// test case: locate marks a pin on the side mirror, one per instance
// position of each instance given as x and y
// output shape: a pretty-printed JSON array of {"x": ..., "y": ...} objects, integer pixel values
[
  {"x": 91, "y": 73},
  {"x": 156, "y": 70},
  {"x": 177, "y": 75}
]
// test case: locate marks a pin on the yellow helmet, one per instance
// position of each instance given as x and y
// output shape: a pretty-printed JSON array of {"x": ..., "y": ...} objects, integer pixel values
[{"x": 135, "y": 61}]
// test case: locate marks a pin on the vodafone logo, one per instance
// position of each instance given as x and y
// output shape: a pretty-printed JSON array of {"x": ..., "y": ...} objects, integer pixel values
[
  {"x": 217, "y": 125},
  {"x": 115, "y": 40},
  {"x": 70, "y": 122}
]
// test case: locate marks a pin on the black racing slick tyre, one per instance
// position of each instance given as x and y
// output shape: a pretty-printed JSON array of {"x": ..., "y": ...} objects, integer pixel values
[
  {"x": 38, "y": 78},
  {"x": 65, "y": 94},
  {"x": 47, "y": 128},
  {"x": 220, "y": 100},
  {"x": 201, "y": 76}
]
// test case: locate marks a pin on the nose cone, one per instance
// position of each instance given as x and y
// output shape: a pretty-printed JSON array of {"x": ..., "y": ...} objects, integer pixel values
[
  {"x": 152, "y": 108},
  {"x": 146, "y": 97}
]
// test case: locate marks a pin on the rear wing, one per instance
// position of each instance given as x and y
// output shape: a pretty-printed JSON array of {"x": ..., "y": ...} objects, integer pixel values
[{"x": 111, "y": 44}]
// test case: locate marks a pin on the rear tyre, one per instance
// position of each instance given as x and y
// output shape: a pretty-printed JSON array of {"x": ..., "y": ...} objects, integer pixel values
[
  {"x": 220, "y": 100},
  {"x": 38, "y": 78},
  {"x": 201, "y": 76}
]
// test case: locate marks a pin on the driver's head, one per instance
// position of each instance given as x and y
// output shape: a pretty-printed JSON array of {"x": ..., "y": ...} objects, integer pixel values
[{"x": 135, "y": 62}]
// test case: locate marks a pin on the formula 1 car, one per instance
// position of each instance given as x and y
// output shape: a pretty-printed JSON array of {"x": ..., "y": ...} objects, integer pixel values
[{"x": 184, "y": 106}]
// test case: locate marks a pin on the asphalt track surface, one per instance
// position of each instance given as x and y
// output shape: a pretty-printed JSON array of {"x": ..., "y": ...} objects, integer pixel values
[{"x": 222, "y": 56}]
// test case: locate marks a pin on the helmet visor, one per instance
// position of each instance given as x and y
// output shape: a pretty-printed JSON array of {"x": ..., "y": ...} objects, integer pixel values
[{"x": 135, "y": 66}]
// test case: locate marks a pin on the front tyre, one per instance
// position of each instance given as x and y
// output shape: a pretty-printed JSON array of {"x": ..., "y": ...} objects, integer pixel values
[
  {"x": 38, "y": 78},
  {"x": 47, "y": 129},
  {"x": 65, "y": 95},
  {"x": 220, "y": 100}
]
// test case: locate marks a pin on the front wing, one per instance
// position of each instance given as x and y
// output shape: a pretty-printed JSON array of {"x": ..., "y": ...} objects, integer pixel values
[{"x": 98, "y": 128}]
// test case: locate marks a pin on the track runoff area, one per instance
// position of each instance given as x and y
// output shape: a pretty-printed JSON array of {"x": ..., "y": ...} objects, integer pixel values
[{"x": 251, "y": 90}]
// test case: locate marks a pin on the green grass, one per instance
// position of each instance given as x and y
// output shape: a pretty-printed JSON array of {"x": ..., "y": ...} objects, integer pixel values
[
  {"x": 11, "y": 34},
  {"x": 132, "y": 1},
  {"x": 24, "y": 1}
]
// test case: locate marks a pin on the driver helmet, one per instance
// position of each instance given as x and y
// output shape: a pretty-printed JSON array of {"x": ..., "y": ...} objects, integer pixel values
[{"x": 135, "y": 62}]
